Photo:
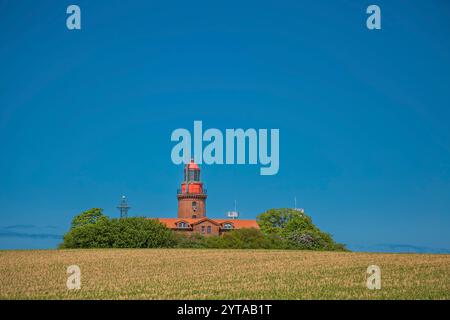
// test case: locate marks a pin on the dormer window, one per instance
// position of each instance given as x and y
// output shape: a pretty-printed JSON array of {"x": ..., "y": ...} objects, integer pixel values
[
  {"x": 182, "y": 225},
  {"x": 228, "y": 226}
]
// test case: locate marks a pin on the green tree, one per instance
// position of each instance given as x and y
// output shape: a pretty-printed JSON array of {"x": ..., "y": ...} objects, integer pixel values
[
  {"x": 90, "y": 216},
  {"x": 297, "y": 229},
  {"x": 140, "y": 233},
  {"x": 120, "y": 233}
]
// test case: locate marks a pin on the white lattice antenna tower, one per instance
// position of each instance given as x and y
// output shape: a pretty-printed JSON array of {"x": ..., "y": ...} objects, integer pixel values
[{"x": 123, "y": 207}]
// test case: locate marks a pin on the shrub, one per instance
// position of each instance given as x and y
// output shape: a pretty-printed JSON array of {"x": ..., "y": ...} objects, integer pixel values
[
  {"x": 236, "y": 239},
  {"x": 120, "y": 233}
]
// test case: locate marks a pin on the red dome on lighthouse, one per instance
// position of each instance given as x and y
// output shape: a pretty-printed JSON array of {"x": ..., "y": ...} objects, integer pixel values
[{"x": 192, "y": 165}]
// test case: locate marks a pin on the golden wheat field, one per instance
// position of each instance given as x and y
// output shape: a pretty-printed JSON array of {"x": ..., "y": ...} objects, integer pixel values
[{"x": 220, "y": 274}]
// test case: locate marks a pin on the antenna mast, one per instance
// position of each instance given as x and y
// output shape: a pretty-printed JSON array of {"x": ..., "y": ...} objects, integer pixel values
[
  {"x": 233, "y": 214},
  {"x": 301, "y": 210}
]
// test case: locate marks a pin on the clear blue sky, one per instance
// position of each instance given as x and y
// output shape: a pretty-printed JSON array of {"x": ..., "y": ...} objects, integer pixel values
[{"x": 86, "y": 116}]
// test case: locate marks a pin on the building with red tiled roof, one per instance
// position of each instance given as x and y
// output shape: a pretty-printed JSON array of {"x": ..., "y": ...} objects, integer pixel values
[{"x": 192, "y": 209}]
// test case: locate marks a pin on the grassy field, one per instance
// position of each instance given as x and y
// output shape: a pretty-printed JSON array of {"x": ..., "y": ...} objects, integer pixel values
[{"x": 220, "y": 274}]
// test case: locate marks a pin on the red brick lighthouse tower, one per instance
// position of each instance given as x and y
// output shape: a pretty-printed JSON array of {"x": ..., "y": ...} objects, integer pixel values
[{"x": 191, "y": 196}]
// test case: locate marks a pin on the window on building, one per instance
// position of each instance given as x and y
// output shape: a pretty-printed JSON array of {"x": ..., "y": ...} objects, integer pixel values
[
  {"x": 182, "y": 225},
  {"x": 194, "y": 205},
  {"x": 208, "y": 229},
  {"x": 228, "y": 226},
  {"x": 203, "y": 229}
]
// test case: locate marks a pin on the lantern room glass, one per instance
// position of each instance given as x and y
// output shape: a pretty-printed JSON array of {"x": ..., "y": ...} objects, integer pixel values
[{"x": 193, "y": 175}]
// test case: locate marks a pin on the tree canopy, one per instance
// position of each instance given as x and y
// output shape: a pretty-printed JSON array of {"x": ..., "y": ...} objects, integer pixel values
[
  {"x": 297, "y": 229},
  {"x": 91, "y": 229},
  {"x": 90, "y": 216}
]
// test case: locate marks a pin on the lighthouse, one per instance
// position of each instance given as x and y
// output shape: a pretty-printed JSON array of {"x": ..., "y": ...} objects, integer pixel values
[
  {"x": 192, "y": 196},
  {"x": 192, "y": 209}
]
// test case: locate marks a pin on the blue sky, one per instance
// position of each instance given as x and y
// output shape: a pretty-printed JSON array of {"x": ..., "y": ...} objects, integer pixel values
[{"x": 86, "y": 116}]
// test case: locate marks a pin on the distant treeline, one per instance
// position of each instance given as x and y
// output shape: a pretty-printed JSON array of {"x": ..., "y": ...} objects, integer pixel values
[{"x": 280, "y": 229}]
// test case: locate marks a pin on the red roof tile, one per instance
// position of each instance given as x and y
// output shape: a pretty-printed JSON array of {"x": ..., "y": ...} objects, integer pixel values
[{"x": 237, "y": 223}]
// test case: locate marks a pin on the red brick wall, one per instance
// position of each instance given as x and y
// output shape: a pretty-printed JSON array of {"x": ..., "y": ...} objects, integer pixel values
[
  {"x": 185, "y": 208},
  {"x": 202, "y": 228}
]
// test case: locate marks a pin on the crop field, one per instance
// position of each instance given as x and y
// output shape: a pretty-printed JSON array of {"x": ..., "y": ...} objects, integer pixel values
[{"x": 220, "y": 274}]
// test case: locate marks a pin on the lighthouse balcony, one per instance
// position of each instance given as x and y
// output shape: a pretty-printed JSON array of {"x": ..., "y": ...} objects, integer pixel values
[{"x": 204, "y": 191}]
